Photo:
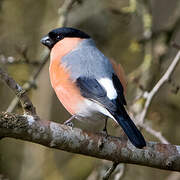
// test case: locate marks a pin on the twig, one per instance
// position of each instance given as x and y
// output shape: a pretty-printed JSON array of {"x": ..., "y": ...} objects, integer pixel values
[
  {"x": 157, "y": 134},
  {"x": 175, "y": 45},
  {"x": 64, "y": 10},
  {"x": 159, "y": 84},
  {"x": 143, "y": 9},
  {"x": 110, "y": 171},
  {"x": 120, "y": 172},
  {"x": 29, "y": 84},
  {"x": 19, "y": 91},
  {"x": 23, "y": 51},
  {"x": 116, "y": 171}
]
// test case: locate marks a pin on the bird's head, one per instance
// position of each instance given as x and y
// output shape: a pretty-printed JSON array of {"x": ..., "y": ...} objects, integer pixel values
[{"x": 59, "y": 34}]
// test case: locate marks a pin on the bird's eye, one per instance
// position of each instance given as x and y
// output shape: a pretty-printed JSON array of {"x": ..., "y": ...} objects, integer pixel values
[
  {"x": 52, "y": 35},
  {"x": 59, "y": 37}
]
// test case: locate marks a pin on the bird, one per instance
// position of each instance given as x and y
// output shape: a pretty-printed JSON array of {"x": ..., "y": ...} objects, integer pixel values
[{"x": 86, "y": 82}]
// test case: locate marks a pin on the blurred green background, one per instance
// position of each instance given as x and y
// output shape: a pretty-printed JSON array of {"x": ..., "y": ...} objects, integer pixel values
[{"x": 119, "y": 33}]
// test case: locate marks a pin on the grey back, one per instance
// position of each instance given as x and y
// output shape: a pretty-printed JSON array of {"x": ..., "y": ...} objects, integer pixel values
[{"x": 86, "y": 60}]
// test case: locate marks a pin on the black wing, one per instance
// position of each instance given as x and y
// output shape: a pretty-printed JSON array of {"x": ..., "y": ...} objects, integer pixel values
[
  {"x": 91, "y": 89},
  {"x": 119, "y": 89}
]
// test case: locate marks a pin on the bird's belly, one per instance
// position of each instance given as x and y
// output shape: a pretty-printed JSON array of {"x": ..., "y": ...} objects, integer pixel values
[
  {"x": 91, "y": 117},
  {"x": 92, "y": 111},
  {"x": 69, "y": 100},
  {"x": 93, "y": 123}
]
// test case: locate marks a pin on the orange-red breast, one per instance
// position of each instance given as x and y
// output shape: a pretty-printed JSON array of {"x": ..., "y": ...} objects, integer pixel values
[{"x": 87, "y": 83}]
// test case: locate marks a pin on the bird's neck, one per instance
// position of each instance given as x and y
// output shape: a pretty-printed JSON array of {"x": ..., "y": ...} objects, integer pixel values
[{"x": 63, "y": 47}]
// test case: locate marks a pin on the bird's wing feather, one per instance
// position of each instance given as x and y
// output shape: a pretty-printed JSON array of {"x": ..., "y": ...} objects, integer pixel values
[
  {"x": 120, "y": 73},
  {"x": 119, "y": 88},
  {"x": 91, "y": 89}
]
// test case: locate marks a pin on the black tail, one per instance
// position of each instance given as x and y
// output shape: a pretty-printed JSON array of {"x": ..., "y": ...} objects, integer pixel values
[{"x": 130, "y": 129}]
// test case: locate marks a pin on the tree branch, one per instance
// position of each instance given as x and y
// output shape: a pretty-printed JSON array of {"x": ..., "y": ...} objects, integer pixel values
[
  {"x": 64, "y": 10},
  {"x": 53, "y": 135},
  {"x": 120, "y": 172},
  {"x": 110, "y": 171},
  {"x": 29, "y": 84},
  {"x": 165, "y": 78},
  {"x": 157, "y": 134},
  {"x": 19, "y": 91}
]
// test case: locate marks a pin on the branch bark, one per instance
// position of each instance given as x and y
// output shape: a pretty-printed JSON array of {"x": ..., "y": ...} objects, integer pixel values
[{"x": 53, "y": 135}]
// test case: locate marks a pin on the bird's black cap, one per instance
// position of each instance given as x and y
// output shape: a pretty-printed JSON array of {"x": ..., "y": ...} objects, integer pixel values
[{"x": 60, "y": 33}]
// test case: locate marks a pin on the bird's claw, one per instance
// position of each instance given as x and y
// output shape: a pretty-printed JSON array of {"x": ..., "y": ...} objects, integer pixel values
[
  {"x": 70, "y": 124},
  {"x": 104, "y": 133},
  {"x": 103, "y": 140}
]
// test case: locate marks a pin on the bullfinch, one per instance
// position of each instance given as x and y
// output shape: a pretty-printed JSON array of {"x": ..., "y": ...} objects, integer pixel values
[{"x": 86, "y": 82}]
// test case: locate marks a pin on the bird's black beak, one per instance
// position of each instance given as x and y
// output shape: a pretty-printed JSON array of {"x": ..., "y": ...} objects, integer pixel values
[{"x": 46, "y": 40}]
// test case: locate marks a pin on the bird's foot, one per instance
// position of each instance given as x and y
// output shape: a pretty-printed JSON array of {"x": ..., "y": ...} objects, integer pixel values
[
  {"x": 70, "y": 124},
  {"x": 103, "y": 139},
  {"x": 69, "y": 121},
  {"x": 104, "y": 133}
]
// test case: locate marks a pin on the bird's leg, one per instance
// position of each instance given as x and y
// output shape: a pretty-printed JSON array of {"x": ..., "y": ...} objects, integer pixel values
[
  {"x": 68, "y": 122},
  {"x": 105, "y": 133},
  {"x": 105, "y": 128}
]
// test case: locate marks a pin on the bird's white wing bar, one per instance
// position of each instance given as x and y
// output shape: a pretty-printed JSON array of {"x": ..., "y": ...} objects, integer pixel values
[{"x": 107, "y": 84}]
